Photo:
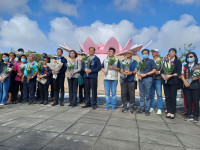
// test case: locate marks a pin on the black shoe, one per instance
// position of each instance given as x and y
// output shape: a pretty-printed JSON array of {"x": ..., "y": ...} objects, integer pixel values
[
  {"x": 94, "y": 107},
  {"x": 86, "y": 106},
  {"x": 167, "y": 116},
  {"x": 74, "y": 105},
  {"x": 54, "y": 104},
  {"x": 131, "y": 110},
  {"x": 61, "y": 103},
  {"x": 14, "y": 102},
  {"x": 41, "y": 102},
  {"x": 196, "y": 120},
  {"x": 124, "y": 109},
  {"x": 147, "y": 113},
  {"x": 45, "y": 102},
  {"x": 70, "y": 105},
  {"x": 140, "y": 111},
  {"x": 172, "y": 117},
  {"x": 31, "y": 102},
  {"x": 188, "y": 118}
]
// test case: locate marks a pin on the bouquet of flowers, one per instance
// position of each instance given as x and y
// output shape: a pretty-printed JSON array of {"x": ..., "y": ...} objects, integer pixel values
[
  {"x": 70, "y": 66},
  {"x": 111, "y": 61},
  {"x": 55, "y": 65},
  {"x": 29, "y": 71},
  {"x": 7, "y": 71},
  {"x": 22, "y": 68},
  {"x": 126, "y": 64},
  {"x": 168, "y": 68},
  {"x": 196, "y": 73},
  {"x": 159, "y": 63},
  {"x": 39, "y": 67},
  {"x": 87, "y": 62},
  {"x": 141, "y": 66}
]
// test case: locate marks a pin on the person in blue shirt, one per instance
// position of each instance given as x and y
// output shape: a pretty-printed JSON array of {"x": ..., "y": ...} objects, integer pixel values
[
  {"x": 29, "y": 80},
  {"x": 146, "y": 81},
  {"x": 90, "y": 78},
  {"x": 129, "y": 85},
  {"x": 60, "y": 80}
]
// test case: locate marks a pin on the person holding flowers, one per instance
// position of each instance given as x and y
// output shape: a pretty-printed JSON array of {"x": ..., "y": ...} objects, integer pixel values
[
  {"x": 170, "y": 73},
  {"x": 5, "y": 70},
  {"x": 129, "y": 69},
  {"x": 190, "y": 77},
  {"x": 44, "y": 79},
  {"x": 29, "y": 80},
  {"x": 157, "y": 83},
  {"x": 110, "y": 68},
  {"x": 19, "y": 69},
  {"x": 73, "y": 72},
  {"x": 147, "y": 68},
  {"x": 91, "y": 66}
]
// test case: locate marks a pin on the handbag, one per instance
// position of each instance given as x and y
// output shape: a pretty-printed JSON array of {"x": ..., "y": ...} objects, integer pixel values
[
  {"x": 80, "y": 80},
  {"x": 42, "y": 81}
]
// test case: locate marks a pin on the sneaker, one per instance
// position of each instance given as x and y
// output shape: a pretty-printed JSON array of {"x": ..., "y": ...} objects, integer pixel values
[
  {"x": 45, "y": 103},
  {"x": 147, "y": 113},
  {"x": 54, "y": 104},
  {"x": 151, "y": 110},
  {"x": 94, "y": 107},
  {"x": 159, "y": 112},
  {"x": 124, "y": 109},
  {"x": 140, "y": 111},
  {"x": 196, "y": 120},
  {"x": 188, "y": 118},
  {"x": 107, "y": 108},
  {"x": 131, "y": 110},
  {"x": 166, "y": 110},
  {"x": 61, "y": 103}
]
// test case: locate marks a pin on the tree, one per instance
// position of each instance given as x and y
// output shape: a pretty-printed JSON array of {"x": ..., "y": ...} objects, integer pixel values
[{"x": 183, "y": 51}]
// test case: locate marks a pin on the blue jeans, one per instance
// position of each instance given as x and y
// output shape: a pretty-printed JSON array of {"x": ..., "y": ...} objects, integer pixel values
[
  {"x": 4, "y": 87},
  {"x": 110, "y": 85},
  {"x": 156, "y": 87},
  {"x": 145, "y": 93}
]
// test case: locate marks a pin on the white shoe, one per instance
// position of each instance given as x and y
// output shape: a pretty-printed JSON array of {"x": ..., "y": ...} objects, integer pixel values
[
  {"x": 159, "y": 112},
  {"x": 166, "y": 111},
  {"x": 151, "y": 110}
]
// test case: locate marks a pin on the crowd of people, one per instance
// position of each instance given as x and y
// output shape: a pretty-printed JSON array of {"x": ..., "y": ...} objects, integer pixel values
[{"x": 27, "y": 77}]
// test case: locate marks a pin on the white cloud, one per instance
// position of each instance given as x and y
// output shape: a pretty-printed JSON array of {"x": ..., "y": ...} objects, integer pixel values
[
  {"x": 20, "y": 31},
  {"x": 127, "y": 5},
  {"x": 187, "y": 1},
  {"x": 14, "y": 6},
  {"x": 61, "y": 7}
]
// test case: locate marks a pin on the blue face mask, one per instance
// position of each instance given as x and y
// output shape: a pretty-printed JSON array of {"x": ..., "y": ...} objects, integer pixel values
[
  {"x": 145, "y": 56},
  {"x": 190, "y": 60},
  {"x": 23, "y": 60},
  {"x": 5, "y": 59}
]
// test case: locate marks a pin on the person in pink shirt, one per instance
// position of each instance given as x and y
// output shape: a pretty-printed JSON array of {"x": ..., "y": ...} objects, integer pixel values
[{"x": 18, "y": 78}]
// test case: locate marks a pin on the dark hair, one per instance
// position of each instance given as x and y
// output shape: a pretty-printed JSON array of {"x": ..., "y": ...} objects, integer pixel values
[
  {"x": 74, "y": 53},
  {"x": 173, "y": 49},
  {"x": 45, "y": 54},
  {"x": 21, "y": 50},
  {"x": 46, "y": 57},
  {"x": 13, "y": 54},
  {"x": 4, "y": 54},
  {"x": 112, "y": 49},
  {"x": 193, "y": 53},
  {"x": 60, "y": 49},
  {"x": 20, "y": 57},
  {"x": 92, "y": 47},
  {"x": 145, "y": 50}
]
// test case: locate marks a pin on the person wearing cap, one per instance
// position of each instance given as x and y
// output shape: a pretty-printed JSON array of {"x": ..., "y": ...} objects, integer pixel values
[
  {"x": 128, "y": 85},
  {"x": 171, "y": 83},
  {"x": 157, "y": 83},
  {"x": 145, "y": 82}
]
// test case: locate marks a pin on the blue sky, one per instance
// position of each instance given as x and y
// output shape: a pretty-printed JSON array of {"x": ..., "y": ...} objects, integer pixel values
[{"x": 42, "y": 25}]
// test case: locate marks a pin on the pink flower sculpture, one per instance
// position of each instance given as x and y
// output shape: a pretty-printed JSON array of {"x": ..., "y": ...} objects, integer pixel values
[{"x": 102, "y": 50}]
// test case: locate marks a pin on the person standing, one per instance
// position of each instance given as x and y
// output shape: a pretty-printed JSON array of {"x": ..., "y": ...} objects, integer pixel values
[
  {"x": 147, "y": 70},
  {"x": 90, "y": 78},
  {"x": 60, "y": 80},
  {"x": 129, "y": 85},
  {"x": 4, "y": 78},
  {"x": 110, "y": 78},
  {"x": 29, "y": 80},
  {"x": 73, "y": 69},
  {"x": 191, "y": 87},
  {"x": 171, "y": 83},
  {"x": 157, "y": 83}
]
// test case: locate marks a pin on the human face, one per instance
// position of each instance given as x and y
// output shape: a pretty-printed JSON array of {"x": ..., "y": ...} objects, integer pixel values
[
  {"x": 91, "y": 51},
  {"x": 31, "y": 58},
  {"x": 111, "y": 53},
  {"x": 191, "y": 58},
  {"x": 45, "y": 61},
  {"x": 154, "y": 53},
  {"x": 59, "y": 53},
  {"x": 5, "y": 58},
  {"x": 11, "y": 56},
  {"x": 129, "y": 54},
  {"x": 172, "y": 54},
  {"x": 72, "y": 55}
]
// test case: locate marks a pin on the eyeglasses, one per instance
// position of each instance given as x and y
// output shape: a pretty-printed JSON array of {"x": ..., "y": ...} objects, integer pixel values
[{"x": 190, "y": 57}]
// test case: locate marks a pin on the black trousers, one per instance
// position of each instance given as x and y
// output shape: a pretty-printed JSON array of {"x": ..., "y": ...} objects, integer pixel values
[
  {"x": 170, "y": 97},
  {"x": 192, "y": 96},
  {"x": 73, "y": 86},
  {"x": 29, "y": 89},
  {"x": 12, "y": 84},
  {"x": 18, "y": 86},
  {"x": 43, "y": 88},
  {"x": 81, "y": 88},
  {"x": 59, "y": 87},
  {"x": 128, "y": 94},
  {"x": 52, "y": 89},
  {"x": 91, "y": 84}
]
